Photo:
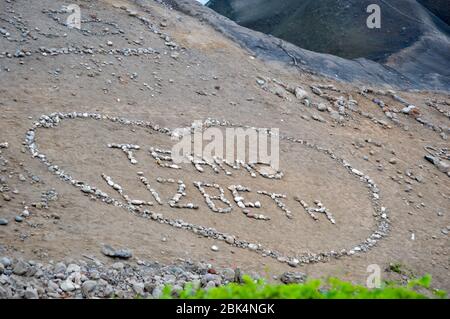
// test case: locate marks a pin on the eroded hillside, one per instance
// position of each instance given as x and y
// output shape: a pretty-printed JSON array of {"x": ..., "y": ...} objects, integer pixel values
[{"x": 66, "y": 191}]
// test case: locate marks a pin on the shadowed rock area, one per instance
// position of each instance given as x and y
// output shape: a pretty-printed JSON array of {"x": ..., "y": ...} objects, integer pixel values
[
  {"x": 441, "y": 8},
  {"x": 335, "y": 27},
  {"x": 412, "y": 44}
]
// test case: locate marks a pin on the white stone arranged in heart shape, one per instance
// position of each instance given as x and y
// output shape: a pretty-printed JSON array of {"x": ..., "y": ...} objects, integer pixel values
[{"x": 52, "y": 120}]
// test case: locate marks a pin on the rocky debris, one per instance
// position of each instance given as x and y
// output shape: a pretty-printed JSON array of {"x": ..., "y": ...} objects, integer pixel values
[
  {"x": 293, "y": 277},
  {"x": 19, "y": 219},
  {"x": 116, "y": 253},
  {"x": 440, "y": 165},
  {"x": 393, "y": 161},
  {"x": 439, "y": 158},
  {"x": 92, "y": 279},
  {"x": 406, "y": 108},
  {"x": 300, "y": 93},
  {"x": 21, "y": 268},
  {"x": 318, "y": 118},
  {"x": 214, "y": 248},
  {"x": 441, "y": 106},
  {"x": 338, "y": 107}
]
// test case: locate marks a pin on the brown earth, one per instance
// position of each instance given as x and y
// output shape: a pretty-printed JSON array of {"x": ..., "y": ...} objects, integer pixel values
[{"x": 207, "y": 63}]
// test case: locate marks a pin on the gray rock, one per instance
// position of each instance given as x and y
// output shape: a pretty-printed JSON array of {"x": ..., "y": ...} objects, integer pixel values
[
  {"x": 124, "y": 254},
  {"x": 229, "y": 240},
  {"x": 293, "y": 277},
  {"x": 321, "y": 107},
  {"x": 87, "y": 287},
  {"x": 433, "y": 160},
  {"x": 67, "y": 286},
  {"x": 4, "y": 294},
  {"x": 31, "y": 293},
  {"x": 120, "y": 253},
  {"x": 5, "y": 261},
  {"x": 443, "y": 167},
  {"x": 157, "y": 292},
  {"x": 318, "y": 118},
  {"x": 211, "y": 278},
  {"x": 300, "y": 93},
  {"x": 149, "y": 286},
  {"x": 21, "y": 268},
  {"x": 73, "y": 268},
  {"x": 393, "y": 161},
  {"x": 18, "y": 219},
  {"x": 228, "y": 274},
  {"x": 293, "y": 262},
  {"x": 3, "y": 222},
  {"x": 60, "y": 268},
  {"x": 138, "y": 288},
  {"x": 117, "y": 266}
]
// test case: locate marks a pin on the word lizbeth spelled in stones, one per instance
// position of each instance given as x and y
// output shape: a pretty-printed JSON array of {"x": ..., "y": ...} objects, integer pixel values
[{"x": 163, "y": 157}]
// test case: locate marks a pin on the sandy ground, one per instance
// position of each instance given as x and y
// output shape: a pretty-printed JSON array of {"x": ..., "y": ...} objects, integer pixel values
[{"x": 225, "y": 76}]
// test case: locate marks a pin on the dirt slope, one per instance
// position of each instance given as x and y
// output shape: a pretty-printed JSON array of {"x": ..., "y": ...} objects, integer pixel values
[{"x": 182, "y": 70}]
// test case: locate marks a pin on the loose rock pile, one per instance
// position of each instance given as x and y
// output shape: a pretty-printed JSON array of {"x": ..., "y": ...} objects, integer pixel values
[
  {"x": 406, "y": 108},
  {"x": 439, "y": 158},
  {"x": 91, "y": 278}
]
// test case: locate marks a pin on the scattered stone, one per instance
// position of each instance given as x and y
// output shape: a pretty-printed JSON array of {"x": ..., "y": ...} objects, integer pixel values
[
  {"x": 67, "y": 286},
  {"x": 60, "y": 268},
  {"x": 73, "y": 268},
  {"x": 88, "y": 287},
  {"x": 120, "y": 253},
  {"x": 408, "y": 109},
  {"x": 293, "y": 277},
  {"x": 5, "y": 261},
  {"x": 300, "y": 93},
  {"x": 393, "y": 161},
  {"x": 322, "y": 107},
  {"x": 214, "y": 248},
  {"x": 21, "y": 268},
  {"x": 294, "y": 262},
  {"x": 31, "y": 293},
  {"x": 118, "y": 266},
  {"x": 18, "y": 219}
]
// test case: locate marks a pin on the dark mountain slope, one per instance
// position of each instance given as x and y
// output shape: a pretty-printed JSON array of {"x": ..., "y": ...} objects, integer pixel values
[
  {"x": 441, "y": 8},
  {"x": 335, "y": 26}
]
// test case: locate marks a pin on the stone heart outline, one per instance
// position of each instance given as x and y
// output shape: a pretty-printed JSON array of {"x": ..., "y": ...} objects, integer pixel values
[{"x": 53, "y": 120}]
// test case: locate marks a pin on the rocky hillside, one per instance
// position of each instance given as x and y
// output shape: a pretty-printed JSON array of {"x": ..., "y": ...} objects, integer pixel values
[{"x": 91, "y": 204}]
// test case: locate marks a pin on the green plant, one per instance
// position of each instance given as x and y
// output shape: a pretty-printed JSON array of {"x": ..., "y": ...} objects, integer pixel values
[
  {"x": 314, "y": 289},
  {"x": 397, "y": 268}
]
